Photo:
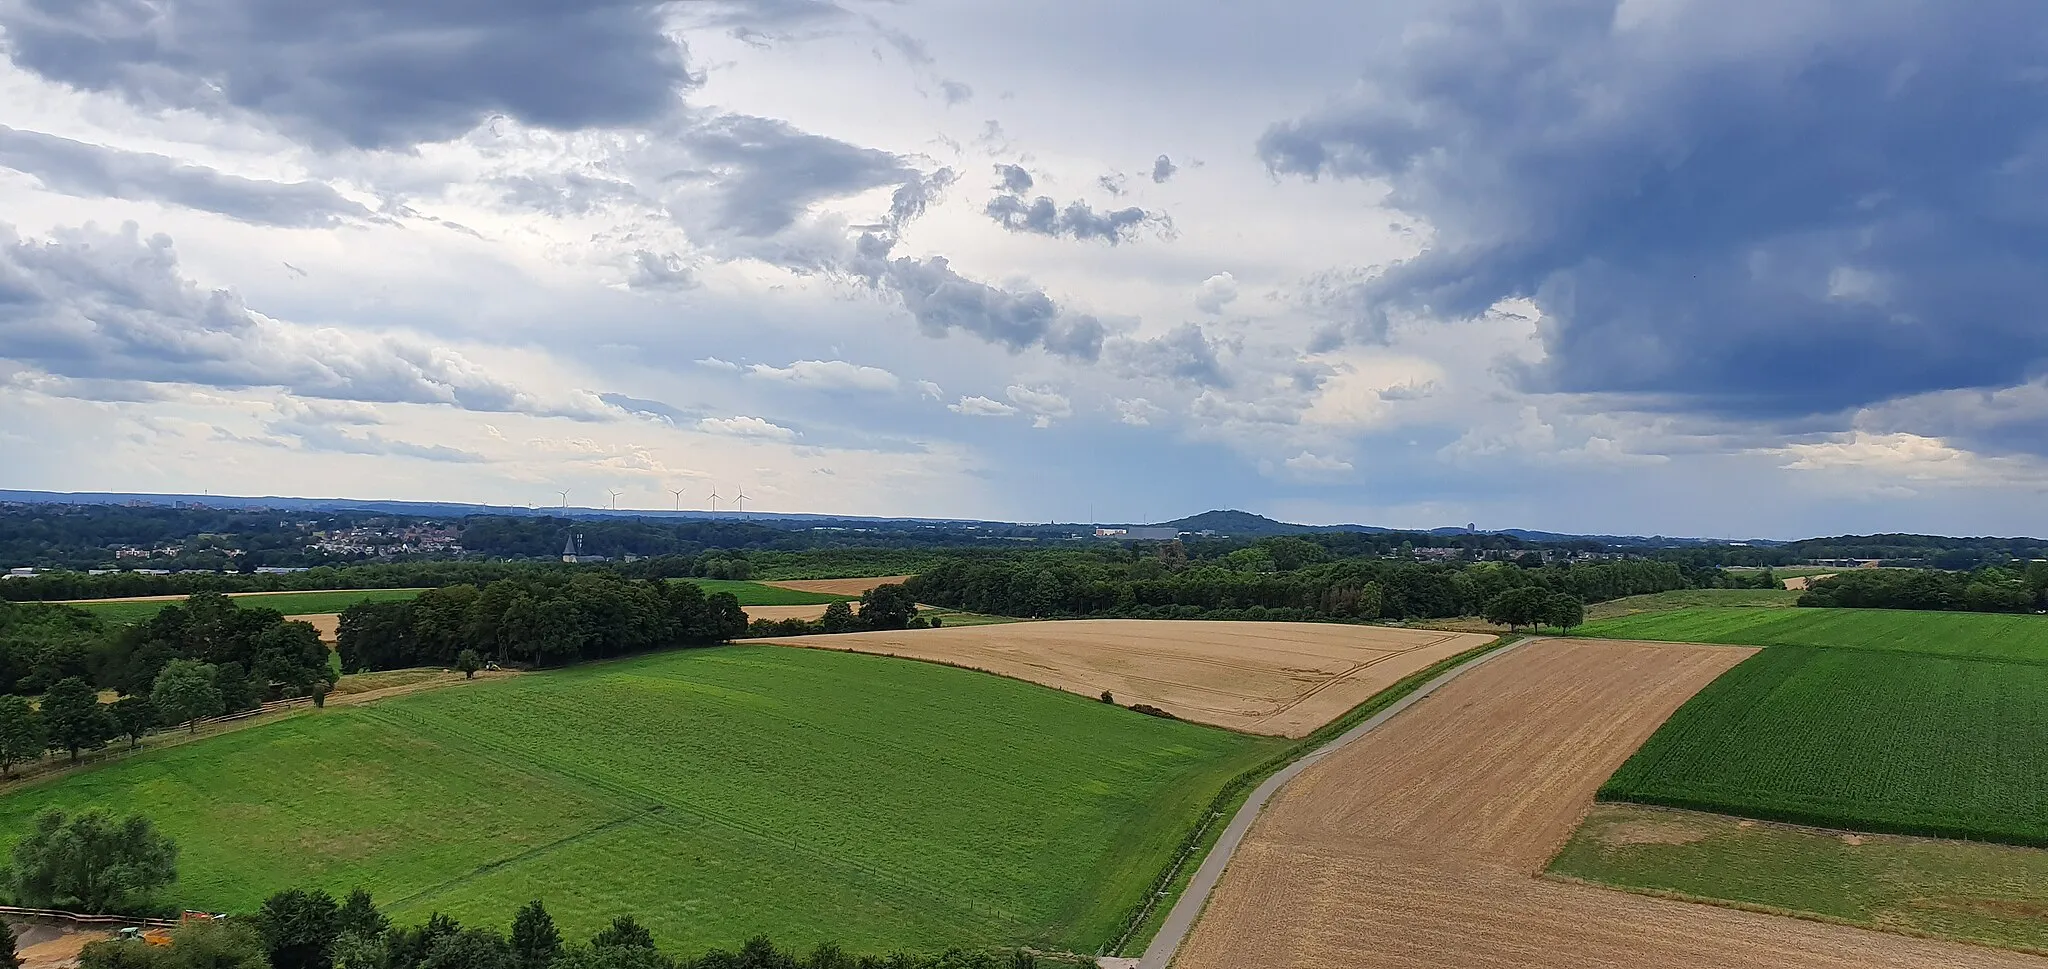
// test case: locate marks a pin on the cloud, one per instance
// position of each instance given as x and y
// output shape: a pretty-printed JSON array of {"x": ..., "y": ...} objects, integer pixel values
[
  {"x": 926, "y": 388},
  {"x": 956, "y": 92},
  {"x": 1015, "y": 180},
  {"x": 767, "y": 172},
  {"x": 942, "y": 300},
  {"x": 91, "y": 304},
  {"x": 1215, "y": 293},
  {"x": 1909, "y": 457},
  {"x": 1310, "y": 463},
  {"x": 713, "y": 363},
  {"x": 1137, "y": 411},
  {"x": 828, "y": 375},
  {"x": 1044, "y": 405},
  {"x": 379, "y": 74},
  {"x": 981, "y": 407},
  {"x": 651, "y": 270},
  {"x": 1185, "y": 353},
  {"x": 1751, "y": 209},
  {"x": 743, "y": 426},
  {"x": 96, "y": 171},
  {"x": 323, "y": 437},
  {"x": 1163, "y": 169},
  {"x": 1041, "y": 216},
  {"x": 1077, "y": 220}
]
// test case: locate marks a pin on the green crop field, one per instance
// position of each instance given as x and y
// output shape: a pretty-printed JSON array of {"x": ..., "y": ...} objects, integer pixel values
[
  {"x": 1859, "y": 739},
  {"x": 756, "y": 594},
  {"x": 1989, "y": 635},
  {"x": 289, "y": 603},
  {"x": 1980, "y": 892},
  {"x": 1689, "y": 599},
  {"x": 716, "y": 793}
]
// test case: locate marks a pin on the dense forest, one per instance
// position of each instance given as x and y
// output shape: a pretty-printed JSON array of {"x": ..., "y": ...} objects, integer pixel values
[
  {"x": 1988, "y": 589},
  {"x": 1280, "y": 579},
  {"x": 544, "y": 619}
]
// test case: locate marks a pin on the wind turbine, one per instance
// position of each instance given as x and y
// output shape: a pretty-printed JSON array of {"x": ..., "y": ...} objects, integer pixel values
[
  {"x": 565, "y": 498},
  {"x": 615, "y": 498},
  {"x": 678, "y": 492},
  {"x": 741, "y": 501},
  {"x": 714, "y": 501}
]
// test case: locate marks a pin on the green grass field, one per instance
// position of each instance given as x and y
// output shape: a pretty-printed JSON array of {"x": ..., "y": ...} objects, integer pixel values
[
  {"x": 1858, "y": 739},
  {"x": 1989, "y": 635},
  {"x": 289, "y": 603},
  {"x": 756, "y": 594},
  {"x": 1994, "y": 894},
  {"x": 716, "y": 793},
  {"x": 1692, "y": 598}
]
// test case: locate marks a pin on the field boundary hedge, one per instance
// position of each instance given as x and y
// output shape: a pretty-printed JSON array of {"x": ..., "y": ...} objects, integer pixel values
[{"x": 1195, "y": 845}]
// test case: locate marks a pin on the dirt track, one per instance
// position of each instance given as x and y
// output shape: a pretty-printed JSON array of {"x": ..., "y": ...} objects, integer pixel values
[
  {"x": 838, "y": 587},
  {"x": 1418, "y": 845},
  {"x": 787, "y": 612},
  {"x": 1262, "y": 677}
]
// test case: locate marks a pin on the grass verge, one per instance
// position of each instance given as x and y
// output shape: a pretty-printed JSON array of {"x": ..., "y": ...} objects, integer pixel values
[{"x": 1989, "y": 894}]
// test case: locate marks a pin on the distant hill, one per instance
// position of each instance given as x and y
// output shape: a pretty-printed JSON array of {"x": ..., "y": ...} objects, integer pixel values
[{"x": 1244, "y": 524}]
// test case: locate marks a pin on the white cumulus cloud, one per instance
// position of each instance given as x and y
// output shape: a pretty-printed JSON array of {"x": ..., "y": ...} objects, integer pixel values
[
  {"x": 828, "y": 375},
  {"x": 743, "y": 426},
  {"x": 981, "y": 407}
]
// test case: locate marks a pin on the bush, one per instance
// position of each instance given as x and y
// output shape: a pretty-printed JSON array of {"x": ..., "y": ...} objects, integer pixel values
[{"x": 92, "y": 862}]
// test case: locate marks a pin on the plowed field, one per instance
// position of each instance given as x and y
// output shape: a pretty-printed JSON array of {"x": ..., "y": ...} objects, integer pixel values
[
  {"x": 1418, "y": 845},
  {"x": 1277, "y": 678}
]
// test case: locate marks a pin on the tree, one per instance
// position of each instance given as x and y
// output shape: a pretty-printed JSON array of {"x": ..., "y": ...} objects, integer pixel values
[
  {"x": 1564, "y": 610},
  {"x": 299, "y": 928},
  {"x": 75, "y": 718},
  {"x": 9, "y": 958},
  {"x": 1517, "y": 607},
  {"x": 359, "y": 916},
  {"x": 92, "y": 862},
  {"x": 231, "y": 944},
  {"x": 535, "y": 941},
  {"x": 185, "y": 693},
  {"x": 237, "y": 693},
  {"x": 293, "y": 654},
  {"x": 839, "y": 618},
  {"x": 468, "y": 662},
  {"x": 626, "y": 932},
  {"x": 469, "y": 949},
  {"x": 21, "y": 733},
  {"x": 133, "y": 717},
  {"x": 887, "y": 607}
]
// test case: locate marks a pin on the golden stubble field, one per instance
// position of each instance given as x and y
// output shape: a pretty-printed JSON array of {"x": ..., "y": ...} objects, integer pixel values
[
  {"x": 1283, "y": 679},
  {"x": 1419, "y": 845},
  {"x": 839, "y": 587}
]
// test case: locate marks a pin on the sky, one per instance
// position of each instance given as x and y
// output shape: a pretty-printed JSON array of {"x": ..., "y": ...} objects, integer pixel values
[{"x": 1731, "y": 268}]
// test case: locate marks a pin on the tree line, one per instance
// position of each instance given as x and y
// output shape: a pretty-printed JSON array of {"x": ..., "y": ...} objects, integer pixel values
[
  {"x": 1987, "y": 589},
  {"x": 1278, "y": 579},
  {"x": 41, "y": 645},
  {"x": 540, "y": 618},
  {"x": 887, "y": 606}
]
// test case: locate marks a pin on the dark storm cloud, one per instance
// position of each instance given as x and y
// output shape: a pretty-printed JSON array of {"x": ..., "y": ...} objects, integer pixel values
[
  {"x": 1163, "y": 169},
  {"x": 96, "y": 305},
  {"x": 1747, "y": 208},
  {"x": 768, "y": 172},
  {"x": 96, "y": 171},
  {"x": 369, "y": 73}
]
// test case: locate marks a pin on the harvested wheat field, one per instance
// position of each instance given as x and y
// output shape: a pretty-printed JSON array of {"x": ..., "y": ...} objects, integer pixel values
[
  {"x": 328, "y": 623},
  {"x": 1280, "y": 678},
  {"x": 1419, "y": 844},
  {"x": 813, "y": 611},
  {"x": 839, "y": 587}
]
